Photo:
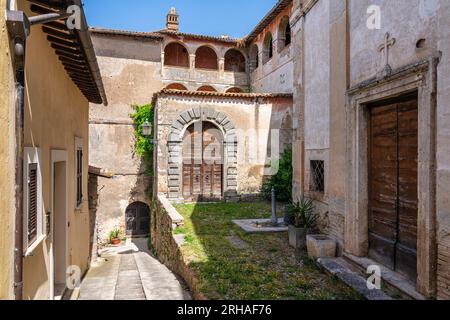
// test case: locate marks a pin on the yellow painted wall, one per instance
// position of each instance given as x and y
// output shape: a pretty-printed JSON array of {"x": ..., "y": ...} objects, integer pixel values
[
  {"x": 55, "y": 113},
  {"x": 6, "y": 163}
]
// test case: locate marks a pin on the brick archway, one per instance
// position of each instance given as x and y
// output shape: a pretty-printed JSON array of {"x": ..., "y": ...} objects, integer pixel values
[{"x": 175, "y": 141}]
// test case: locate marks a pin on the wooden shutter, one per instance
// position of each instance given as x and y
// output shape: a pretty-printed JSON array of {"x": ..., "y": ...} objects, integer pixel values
[
  {"x": 79, "y": 177},
  {"x": 32, "y": 202}
]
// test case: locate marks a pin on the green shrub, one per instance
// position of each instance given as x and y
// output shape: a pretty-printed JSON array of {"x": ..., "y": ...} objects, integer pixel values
[
  {"x": 282, "y": 180},
  {"x": 303, "y": 214},
  {"x": 143, "y": 145}
]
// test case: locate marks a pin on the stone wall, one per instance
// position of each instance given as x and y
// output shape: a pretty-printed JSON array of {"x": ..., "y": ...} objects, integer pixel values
[
  {"x": 131, "y": 72},
  {"x": 165, "y": 219},
  {"x": 252, "y": 121}
]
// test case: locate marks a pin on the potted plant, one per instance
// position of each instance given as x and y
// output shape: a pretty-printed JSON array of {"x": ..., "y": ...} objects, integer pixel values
[
  {"x": 115, "y": 236},
  {"x": 304, "y": 220}
]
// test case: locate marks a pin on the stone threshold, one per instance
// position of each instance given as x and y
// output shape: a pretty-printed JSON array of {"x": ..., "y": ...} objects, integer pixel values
[
  {"x": 395, "y": 283},
  {"x": 345, "y": 272}
]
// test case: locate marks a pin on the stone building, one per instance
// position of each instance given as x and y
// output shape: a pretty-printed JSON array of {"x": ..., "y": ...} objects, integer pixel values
[
  {"x": 212, "y": 79},
  {"x": 371, "y": 138},
  {"x": 44, "y": 216}
]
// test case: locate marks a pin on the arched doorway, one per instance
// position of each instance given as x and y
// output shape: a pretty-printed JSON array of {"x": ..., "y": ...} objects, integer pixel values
[
  {"x": 137, "y": 217},
  {"x": 176, "y": 86},
  {"x": 234, "y": 61},
  {"x": 176, "y": 55},
  {"x": 207, "y": 89},
  {"x": 203, "y": 152},
  {"x": 234, "y": 90}
]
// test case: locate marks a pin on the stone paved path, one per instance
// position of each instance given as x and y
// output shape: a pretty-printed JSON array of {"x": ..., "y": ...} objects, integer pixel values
[{"x": 131, "y": 273}]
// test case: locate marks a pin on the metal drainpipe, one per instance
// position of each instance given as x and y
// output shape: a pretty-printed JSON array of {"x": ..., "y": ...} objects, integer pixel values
[{"x": 19, "y": 49}]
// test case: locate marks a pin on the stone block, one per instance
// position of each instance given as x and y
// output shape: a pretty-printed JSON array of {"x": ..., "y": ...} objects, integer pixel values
[{"x": 321, "y": 246}]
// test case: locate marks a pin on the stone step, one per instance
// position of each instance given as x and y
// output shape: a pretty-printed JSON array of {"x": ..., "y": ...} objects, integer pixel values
[
  {"x": 346, "y": 273},
  {"x": 394, "y": 283}
]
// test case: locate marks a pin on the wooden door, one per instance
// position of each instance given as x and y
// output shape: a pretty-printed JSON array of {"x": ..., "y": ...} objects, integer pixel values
[
  {"x": 138, "y": 219},
  {"x": 393, "y": 196},
  {"x": 202, "y": 163}
]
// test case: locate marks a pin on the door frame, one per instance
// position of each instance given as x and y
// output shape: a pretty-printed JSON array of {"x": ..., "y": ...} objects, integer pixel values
[
  {"x": 174, "y": 147},
  {"x": 58, "y": 156},
  {"x": 370, "y": 162},
  {"x": 421, "y": 78}
]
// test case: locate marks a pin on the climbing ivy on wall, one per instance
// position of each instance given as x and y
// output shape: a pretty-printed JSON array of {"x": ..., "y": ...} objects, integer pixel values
[{"x": 143, "y": 145}]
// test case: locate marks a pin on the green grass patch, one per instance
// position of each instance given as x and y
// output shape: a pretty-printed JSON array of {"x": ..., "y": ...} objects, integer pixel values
[{"x": 267, "y": 269}]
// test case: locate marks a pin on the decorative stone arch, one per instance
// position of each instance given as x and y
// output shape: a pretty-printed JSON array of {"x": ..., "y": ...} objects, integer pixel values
[
  {"x": 235, "y": 60},
  {"x": 176, "y": 54},
  {"x": 268, "y": 48},
  {"x": 207, "y": 88},
  {"x": 284, "y": 33},
  {"x": 176, "y": 86},
  {"x": 175, "y": 147},
  {"x": 210, "y": 53},
  {"x": 234, "y": 90}
]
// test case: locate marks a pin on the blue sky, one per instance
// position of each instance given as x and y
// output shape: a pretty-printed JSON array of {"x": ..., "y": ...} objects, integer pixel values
[{"x": 210, "y": 17}]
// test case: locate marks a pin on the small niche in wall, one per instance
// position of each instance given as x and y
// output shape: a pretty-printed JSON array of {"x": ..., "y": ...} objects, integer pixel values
[{"x": 421, "y": 43}]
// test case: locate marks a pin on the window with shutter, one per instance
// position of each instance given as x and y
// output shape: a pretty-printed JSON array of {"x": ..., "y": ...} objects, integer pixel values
[{"x": 32, "y": 203}]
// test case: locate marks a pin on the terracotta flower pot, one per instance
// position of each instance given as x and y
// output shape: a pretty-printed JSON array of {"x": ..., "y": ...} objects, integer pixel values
[{"x": 115, "y": 241}]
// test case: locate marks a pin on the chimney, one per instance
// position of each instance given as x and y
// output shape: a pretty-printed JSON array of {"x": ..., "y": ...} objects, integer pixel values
[{"x": 172, "y": 20}]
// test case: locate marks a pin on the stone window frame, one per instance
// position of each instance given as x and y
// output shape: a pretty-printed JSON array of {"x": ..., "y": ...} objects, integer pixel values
[
  {"x": 175, "y": 147},
  {"x": 421, "y": 78}
]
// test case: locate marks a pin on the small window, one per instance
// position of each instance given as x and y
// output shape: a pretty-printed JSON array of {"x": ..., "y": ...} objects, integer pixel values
[
  {"x": 79, "y": 172},
  {"x": 254, "y": 57},
  {"x": 284, "y": 34},
  {"x": 287, "y": 40},
  {"x": 32, "y": 202},
  {"x": 268, "y": 48},
  {"x": 32, "y": 198},
  {"x": 318, "y": 176}
]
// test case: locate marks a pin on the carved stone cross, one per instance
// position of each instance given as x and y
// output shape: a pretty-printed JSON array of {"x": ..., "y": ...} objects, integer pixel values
[{"x": 388, "y": 42}]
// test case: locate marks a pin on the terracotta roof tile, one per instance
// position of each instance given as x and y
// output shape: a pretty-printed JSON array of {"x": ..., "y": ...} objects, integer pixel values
[
  {"x": 184, "y": 93},
  {"x": 113, "y": 32}
]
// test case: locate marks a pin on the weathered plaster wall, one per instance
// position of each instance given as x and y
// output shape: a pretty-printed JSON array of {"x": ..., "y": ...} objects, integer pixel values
[
  {"x": 317, "y": 87},
  {"x": 338, "y": 85},
  {"x": 276, "y": 75},
  {"x": 6, "y": 163},
  {"x": 317, "y": 73},
  {"x": 253, "y": 118},
  {"x": 443, "y": 152},
  {"x": 128, "y": 81},
  {"x": 297, "y": 23},
  {"x": 55, "y": 113}
]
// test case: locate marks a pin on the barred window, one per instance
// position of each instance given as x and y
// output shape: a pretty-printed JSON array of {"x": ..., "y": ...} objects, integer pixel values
[{"x": 318, "y": 176}]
